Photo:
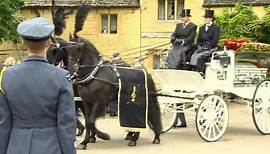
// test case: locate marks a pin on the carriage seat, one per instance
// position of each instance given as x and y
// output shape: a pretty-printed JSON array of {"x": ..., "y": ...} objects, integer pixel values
[
  {"x": 224, "y": 59},
  {"x": 219, "y": 59}
]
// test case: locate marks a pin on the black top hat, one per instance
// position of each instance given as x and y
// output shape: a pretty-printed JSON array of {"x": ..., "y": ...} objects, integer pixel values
[
  {"x": 185, "y": 13},
  {"x": 209, "y": 14}
]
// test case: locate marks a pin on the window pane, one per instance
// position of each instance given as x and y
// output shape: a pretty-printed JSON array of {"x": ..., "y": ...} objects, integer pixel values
[
  {"x": 104, "y": 24},
  {"x": 161, "y": 9},
  {"x": 113, "y": 24},
  {"x": 180, "y": 6},
  {"x": 171, "y": 10}
]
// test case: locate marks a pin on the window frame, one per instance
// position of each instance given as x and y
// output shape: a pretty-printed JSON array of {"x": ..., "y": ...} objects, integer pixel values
[
  {"x": 109, "y": 23},
  {"x": 177, "y": 10}
]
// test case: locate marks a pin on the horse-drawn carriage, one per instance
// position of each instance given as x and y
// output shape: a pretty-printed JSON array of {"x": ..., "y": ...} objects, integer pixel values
[{"x": 187, "y": 91}]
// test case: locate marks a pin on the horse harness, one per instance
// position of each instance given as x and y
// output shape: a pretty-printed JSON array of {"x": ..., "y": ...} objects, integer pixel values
[{"x": 92, "y": 74}]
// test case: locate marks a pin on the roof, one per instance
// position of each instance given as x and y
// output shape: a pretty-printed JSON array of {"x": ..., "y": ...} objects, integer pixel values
[
  {"x": 75, "y": 3},
  {"x": 216, "y": 3}
]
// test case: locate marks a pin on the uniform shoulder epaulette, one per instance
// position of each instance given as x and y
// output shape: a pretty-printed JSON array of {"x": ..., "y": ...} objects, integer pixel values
[{"x": 2, "y": 72}]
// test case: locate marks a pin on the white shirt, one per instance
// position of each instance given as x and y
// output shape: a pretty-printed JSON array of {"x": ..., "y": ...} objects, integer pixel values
[
  {"x": 208, "y": 25},
  {"x": 185, "y": 24}
]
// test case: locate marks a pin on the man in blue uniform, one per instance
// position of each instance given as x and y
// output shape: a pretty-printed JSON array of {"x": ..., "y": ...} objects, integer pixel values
[{"x": 37, "y": 113}]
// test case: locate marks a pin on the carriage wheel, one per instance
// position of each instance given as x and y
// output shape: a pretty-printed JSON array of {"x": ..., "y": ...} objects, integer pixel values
[
  {"x": 261, "y": 107},
  {"x": 168, "y": 116},
  {"x": 212, "y": 118}
]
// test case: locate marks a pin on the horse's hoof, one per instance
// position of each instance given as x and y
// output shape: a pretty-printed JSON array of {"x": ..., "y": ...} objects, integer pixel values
[
  {"x": 93, "y": 140},
  {"x": 80, "y": 132},
  {"x": 81, "y": 147},
  {"x": 132, "y": 143},
  {"x": 156, "y": 141},
  {"x": 128, "y": 138},
  {"x": 104, "y": 136}
]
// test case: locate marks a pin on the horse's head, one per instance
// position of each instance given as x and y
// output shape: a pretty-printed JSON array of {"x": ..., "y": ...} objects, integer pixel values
[
  {"x": 58, "y": 52},
  {"x": 83, "y": 53}
]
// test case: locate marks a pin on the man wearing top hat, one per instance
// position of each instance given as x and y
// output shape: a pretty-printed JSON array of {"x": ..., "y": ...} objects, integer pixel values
[
  {"x": 182, "y": 41},
  {"x": 207, "y": 42},
  {"x": 37, "y": 113}
]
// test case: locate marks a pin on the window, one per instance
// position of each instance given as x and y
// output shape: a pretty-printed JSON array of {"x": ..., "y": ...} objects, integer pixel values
[
  {"x": 108, "y": 24},
  {"x": 104, "y": 24},
  {"x": 161, "y": 9},
  {"x": 113, "y": 25},
  {"x": 180, "y": 6},
  {"x": 170, "y": 9}
]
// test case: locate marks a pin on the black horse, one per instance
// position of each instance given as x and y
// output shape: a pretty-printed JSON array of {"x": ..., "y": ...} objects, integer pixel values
[
  {"x": 57, "y": 53},
  {"x": 83, "y": 59}
]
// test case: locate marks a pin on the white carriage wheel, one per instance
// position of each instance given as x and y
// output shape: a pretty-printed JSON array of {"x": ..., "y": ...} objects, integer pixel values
[
  {"x": 261, "y": 107},
  {"x": 167, "y": 115},
  {"x": 212, "y": 118}
]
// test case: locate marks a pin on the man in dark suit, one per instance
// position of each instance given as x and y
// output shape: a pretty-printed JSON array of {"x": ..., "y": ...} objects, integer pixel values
[
  {"x": 37, "y": 113},
  {"x": 182, "y": 41},
  {"x": 207, "y": 42},
  {"x": 117, "y": 60}
]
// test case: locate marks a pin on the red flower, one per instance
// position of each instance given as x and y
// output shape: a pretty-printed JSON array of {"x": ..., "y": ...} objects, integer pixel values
[{"x": 234, "y": 44}]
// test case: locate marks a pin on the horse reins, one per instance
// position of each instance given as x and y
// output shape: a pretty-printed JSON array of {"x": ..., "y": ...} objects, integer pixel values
[{"x": 92, "y": 74}]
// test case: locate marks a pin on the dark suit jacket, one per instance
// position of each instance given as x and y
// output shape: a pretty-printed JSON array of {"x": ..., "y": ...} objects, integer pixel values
[
  {"x": 188, "y": 33},
  {"x": 209, "y": 38}
]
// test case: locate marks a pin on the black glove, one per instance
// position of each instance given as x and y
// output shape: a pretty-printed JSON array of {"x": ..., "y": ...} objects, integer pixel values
[{"x": 178, "y": 41}]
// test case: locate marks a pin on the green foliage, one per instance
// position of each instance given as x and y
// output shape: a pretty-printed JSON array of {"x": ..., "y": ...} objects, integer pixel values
[
  {"x": 9, "y": 19},
  {"x": 242, "y": 23},
  {"x": 238, "y": 23},
  {"x": 264, "y": 27}
]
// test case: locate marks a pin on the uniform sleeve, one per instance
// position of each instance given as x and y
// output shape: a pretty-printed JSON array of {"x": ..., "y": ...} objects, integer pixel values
[
  {"x": 66, "y": 118},
  {"x": 5, "y": 123}
]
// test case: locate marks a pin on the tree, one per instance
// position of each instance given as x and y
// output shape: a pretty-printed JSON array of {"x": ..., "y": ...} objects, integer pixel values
[
  {"x": 9, "y": 19},
  {"x": 237, "y": 24}
]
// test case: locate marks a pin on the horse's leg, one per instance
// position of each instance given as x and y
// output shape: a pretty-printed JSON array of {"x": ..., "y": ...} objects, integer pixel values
[
  {"x": 129, "y": 136},
  {"x": 134, "y": 139},
  {"x": 94, "y": 131},
  {"x": 102, "y": 135},
  {"x": 79, "y": 125},
  {"x": 86, "y": 140}
]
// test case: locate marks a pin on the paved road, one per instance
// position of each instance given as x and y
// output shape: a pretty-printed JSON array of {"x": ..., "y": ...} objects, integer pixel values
[{"x": 241, "y": 138}]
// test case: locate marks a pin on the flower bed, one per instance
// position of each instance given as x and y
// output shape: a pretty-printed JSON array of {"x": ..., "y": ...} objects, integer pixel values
[
  {"x": 246, "y": 45},
  {"x": 234, "y": 45}
]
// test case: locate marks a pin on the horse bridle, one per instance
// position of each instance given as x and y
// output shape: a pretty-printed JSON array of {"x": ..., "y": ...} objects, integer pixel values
[{"x": 92, "y": 74}]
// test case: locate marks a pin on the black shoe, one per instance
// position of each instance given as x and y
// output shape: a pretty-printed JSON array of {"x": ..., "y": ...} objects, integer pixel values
[
  {"x": 183, "y": 126},
  {"x": 113, "y": 114},
  {"x": 180, "y": 126}
]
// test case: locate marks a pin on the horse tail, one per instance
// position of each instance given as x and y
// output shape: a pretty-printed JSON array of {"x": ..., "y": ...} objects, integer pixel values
[
  {"x": 80, "y": 18},
  {"x": 154, "y": 116}
]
